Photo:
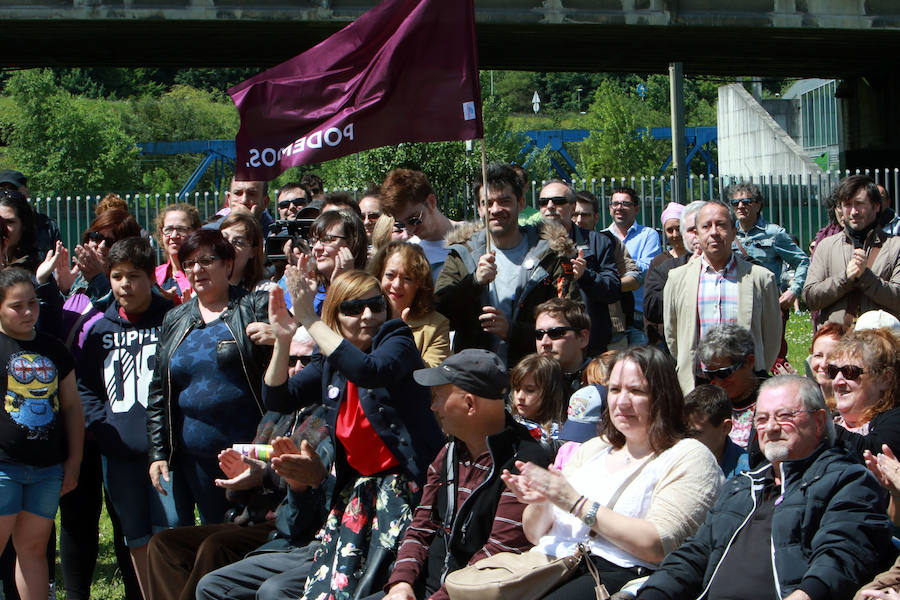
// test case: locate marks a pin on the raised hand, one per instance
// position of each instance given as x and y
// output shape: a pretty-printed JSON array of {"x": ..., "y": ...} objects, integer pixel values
[{"x": 281, "y": 323}]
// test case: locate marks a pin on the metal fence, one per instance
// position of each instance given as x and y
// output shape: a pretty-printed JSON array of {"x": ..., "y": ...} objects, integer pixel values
[{"x": 793, "y": 201}]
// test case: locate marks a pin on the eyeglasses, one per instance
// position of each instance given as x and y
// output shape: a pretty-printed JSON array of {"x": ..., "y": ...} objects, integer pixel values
[
  {"x": 723, "y": 373},
  {"x": 169, "y": 230},
  {"x": 327, "y": 238},
  {"x": 412, "y": 221},
  {"x": 204, "y": 261},
  {"x": 303, "y": 359},
  {"x": 556, "y": 200},
  {"x": 283, "y": 204},
  {"x": 96, "y": 236},
  {"x": 850, "y": 372},
  {"x": 351, "y": 308},
  {"x": 621, "y": 204},
  {"x": 371, "y": 216},
  {"x": 782, "y": 417},
  {"x": 239, "y": 243},
  {"x": 737, "y": 201},
  {"x": 554, "y": 333}
]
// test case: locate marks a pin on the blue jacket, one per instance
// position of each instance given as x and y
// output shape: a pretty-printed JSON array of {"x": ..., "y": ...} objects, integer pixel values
[
  {"x": 830, "y": 532},
  {"x": 114, "y": 371},
  {"x": 398, "y": 408},
  {"x": 772, "y": 246}
]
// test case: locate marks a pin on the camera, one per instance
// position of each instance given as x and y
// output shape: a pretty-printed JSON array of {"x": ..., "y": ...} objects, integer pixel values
[{"x": 296, "y": 230}]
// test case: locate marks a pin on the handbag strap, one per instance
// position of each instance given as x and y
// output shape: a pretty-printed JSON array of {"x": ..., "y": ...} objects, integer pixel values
[{"x": 627, "y": 482}]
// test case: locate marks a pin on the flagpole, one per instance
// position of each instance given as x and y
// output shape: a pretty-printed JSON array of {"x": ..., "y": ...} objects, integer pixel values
[{"x": 487, "y": 231}]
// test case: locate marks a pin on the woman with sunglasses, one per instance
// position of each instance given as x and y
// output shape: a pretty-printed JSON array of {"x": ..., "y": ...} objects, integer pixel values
[
  {"x": 634, "y": 493},
  {"x": 864, "y": 368},
  {"x": 823, "y": 342},
  {"x": 173, "y": 225},
  {"x": 380, "y": 419},
  {"x": 405, "y": 276},
  {"x": 109, "y": 227},
  {"x": 206, "y": 392}
]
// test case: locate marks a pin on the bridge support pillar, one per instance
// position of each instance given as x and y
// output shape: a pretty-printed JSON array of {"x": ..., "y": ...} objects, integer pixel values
[{"x": 870, "y": 121}]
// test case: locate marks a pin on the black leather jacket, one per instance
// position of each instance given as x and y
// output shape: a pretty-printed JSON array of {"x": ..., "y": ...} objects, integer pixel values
[{"x": 243, "y": 308}]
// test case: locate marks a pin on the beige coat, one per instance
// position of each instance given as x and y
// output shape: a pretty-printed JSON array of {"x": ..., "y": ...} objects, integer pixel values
[
  {"x": 827, "y": 288},
  {"x": 432, "y": 335},
  {"x": 758, "y": 311}
]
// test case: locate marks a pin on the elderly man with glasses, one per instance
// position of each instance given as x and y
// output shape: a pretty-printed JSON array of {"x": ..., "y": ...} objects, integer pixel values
[{"x": 810, "y": 523}]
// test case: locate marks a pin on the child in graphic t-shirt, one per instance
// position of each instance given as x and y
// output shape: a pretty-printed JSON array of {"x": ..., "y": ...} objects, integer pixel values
[{"x": 41, "y": 430}]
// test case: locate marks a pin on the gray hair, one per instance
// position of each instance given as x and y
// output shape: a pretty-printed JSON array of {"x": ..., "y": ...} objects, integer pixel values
[
  {"x": 727, "y": 207},
  {"x": 691, "y": 209},
  {"x": 726, "y": 341},
  {"x": 810, "y": 395},
  {"x": 751, "y": 189}
]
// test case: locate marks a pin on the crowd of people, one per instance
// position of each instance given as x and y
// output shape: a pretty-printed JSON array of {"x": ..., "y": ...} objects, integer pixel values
[{"x": 387, "y": 403}]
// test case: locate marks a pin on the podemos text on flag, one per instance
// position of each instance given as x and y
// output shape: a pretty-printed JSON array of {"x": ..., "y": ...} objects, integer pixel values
[{"x": 405, "y": 71}]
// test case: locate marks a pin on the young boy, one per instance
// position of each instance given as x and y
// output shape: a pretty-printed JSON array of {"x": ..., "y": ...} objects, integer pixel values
[
  {"x": 114, "y": 373},
  {"x": 707, "y": 411}
]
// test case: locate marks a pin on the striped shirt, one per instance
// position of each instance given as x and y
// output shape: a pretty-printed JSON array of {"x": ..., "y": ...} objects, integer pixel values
[
  {"x": 717, "y": 295},
  {"x": 506, "y": 533}
]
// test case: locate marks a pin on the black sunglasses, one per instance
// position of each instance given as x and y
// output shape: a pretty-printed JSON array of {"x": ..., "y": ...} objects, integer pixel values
[
  {"x": 303, "y": 359},
  {"x": 850, "y": 372},
  {"x": 556, "y": 200},
  {"x": 554, "y": 333},
  {"x": 737, "y": 201},
  {"x": 351, "y": 308},
  {"x": 96, "y": 236},
  {"x": 723, "y": 373},
  {"x": 282, "y": 204}
]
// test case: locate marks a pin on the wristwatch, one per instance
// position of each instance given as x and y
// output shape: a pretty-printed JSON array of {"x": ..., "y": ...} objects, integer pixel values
[{"x": 591, "y": 517}]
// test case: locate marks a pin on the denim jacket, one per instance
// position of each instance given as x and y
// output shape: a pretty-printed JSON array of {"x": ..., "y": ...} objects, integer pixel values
[{"x": 772, "y": 246}]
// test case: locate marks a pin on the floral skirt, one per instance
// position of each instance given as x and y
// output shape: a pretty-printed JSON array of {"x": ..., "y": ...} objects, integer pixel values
[{"x": 368, "y": 519}]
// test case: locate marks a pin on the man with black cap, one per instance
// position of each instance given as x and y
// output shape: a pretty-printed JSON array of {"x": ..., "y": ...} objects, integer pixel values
[
  {"x": 46, "y": 229},
  {"x": 465, "y": 513}
]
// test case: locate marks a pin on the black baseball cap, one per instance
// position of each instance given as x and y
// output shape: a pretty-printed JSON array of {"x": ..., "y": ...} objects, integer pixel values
[
  {"x": 16, "y": 178},
  {"x": 476, "y": 371}
]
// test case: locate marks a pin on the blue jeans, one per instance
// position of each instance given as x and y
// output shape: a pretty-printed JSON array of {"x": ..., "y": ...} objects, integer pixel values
[
  {"x": 142, "y": 510},
  {"x": 193, "y": 483},
  {"x": 635, "y": 332},
  {"x": 24, "y": 488}
]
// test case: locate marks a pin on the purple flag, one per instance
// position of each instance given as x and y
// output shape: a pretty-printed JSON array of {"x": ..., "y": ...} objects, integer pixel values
[{"x": 405, "y": 71}]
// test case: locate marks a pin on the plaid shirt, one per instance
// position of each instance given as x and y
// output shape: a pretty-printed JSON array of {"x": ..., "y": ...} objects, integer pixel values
[{"x": 717, "y": 295}]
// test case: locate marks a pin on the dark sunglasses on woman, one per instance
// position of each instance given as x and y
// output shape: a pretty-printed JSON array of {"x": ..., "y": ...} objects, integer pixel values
[{"x": 352, "y": 308}]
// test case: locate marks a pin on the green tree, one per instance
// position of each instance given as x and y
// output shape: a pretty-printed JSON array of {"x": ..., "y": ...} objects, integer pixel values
[
  {"x": 613, "y": 147},
  {"x": 67, "y": 143}
]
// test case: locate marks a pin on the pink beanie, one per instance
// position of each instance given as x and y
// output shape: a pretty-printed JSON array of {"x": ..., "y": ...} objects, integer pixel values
[{"x": 673, "y": 211}]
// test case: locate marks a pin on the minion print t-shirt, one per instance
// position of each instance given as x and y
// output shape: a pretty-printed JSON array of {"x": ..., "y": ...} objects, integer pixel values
[{"x": 31, "y": 431}]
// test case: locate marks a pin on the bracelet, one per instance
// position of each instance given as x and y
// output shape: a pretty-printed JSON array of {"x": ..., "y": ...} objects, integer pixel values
[{"x": 577, "y": 502}]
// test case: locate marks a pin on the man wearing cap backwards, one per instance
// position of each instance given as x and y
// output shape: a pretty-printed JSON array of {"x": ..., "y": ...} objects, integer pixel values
[{"x": 465, "y": 513}]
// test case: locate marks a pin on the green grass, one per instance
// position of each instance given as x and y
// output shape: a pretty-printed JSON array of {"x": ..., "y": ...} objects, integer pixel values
[
  {"x": 108, "y": 581},
  {"x": 799, "y": 335}
]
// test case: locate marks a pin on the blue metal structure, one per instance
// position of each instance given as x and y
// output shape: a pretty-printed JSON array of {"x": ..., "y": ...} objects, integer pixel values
[
  {"x": 218, "y": 153},
  {"x": 698, "y": 140}
]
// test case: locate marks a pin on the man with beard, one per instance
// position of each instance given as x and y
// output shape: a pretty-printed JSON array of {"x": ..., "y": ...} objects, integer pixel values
[{"x": 855, "y": 270}]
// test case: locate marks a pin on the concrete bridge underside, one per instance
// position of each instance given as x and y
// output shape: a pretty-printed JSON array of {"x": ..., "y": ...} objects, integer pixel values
[{"x": 830, "y": 38}]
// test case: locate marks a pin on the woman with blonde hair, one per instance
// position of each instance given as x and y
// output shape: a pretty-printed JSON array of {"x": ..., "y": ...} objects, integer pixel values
[
  {"x": 406, "y": 279},
  {"x": 380, "y": 419},
  {"x": 864, "y": 368}
]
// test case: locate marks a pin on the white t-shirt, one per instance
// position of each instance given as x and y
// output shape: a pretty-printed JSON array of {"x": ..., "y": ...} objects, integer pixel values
[{"x": 509, "y": 280}]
